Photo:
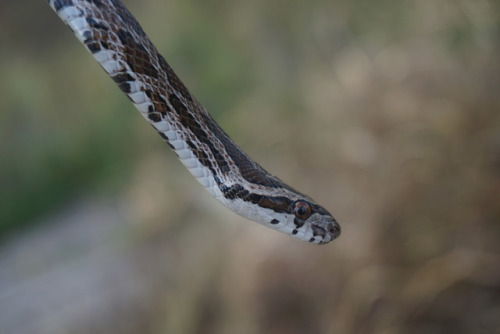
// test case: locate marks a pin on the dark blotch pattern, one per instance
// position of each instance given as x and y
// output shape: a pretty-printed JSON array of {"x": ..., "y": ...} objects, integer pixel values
[
  {"x": 136, "y": 55},
  {"x": 201, "y": 156},
  {"x": 277, "y": 204},
  {"x": 86, "y": 36},
  {"x": 96, "y": 25},
  {"x": 171, "y": 146},
  {"x": 60, "y": 4},
  {"x": 159, "y": 109},
  {"x": 155, "y": 117},
  {"x": 234, "y": 191},
  {"x": 139, "y": 61},
  {"x": 97, "y": 3},
  {"x": 249, "y": 169},
  {"x": 94, "y": 44},
  {"x": 173, "y": 79},
  {"x": 122, "y": 80},
  {"x": 275, "y": 221},
  {"x": 188, "y": 121},
  {"x": 127, "y": 19},
  {"x": 90, "y": 43},
  {"x": 93, "y": 47},
  {"x": 298, "y": 222},
  {"x": 164, "y": 136}
]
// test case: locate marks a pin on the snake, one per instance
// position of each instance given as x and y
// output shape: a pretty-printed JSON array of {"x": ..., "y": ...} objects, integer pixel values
[{"x": 119, "y": 44}]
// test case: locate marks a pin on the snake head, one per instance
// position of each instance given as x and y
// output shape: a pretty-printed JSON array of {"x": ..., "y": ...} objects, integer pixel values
[
  {"x": 314, "y": 222},
  {"x": 301, "y": 218}
]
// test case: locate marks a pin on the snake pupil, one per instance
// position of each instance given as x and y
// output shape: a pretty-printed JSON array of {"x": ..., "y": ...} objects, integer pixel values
[{"x": 302, "y": 210}]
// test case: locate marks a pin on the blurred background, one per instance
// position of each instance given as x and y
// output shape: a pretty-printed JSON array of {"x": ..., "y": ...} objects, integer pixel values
[{"x": 386, "y": 112}]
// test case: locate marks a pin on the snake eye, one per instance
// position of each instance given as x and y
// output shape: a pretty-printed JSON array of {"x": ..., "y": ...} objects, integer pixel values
[{"x": 302, "y": 210}]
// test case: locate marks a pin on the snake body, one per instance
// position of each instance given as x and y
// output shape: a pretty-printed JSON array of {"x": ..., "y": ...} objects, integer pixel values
[{"x": 116, "y": 40}]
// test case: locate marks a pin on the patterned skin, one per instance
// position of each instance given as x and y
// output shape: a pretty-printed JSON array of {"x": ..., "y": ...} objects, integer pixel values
[{"x": 118, "y": 43}]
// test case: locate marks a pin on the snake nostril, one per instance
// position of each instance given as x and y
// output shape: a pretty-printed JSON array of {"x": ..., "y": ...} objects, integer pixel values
[{"x": 334, "y": 229}]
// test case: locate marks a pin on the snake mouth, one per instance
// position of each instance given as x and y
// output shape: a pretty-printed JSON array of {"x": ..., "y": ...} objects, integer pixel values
[{"x": 328, "y": 230}]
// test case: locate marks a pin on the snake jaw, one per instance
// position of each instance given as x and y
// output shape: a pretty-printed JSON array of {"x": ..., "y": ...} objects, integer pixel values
[{"x": 326, "y": 228}]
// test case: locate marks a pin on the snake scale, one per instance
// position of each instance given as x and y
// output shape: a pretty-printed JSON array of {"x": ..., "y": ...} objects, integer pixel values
[{"x": 116, "y": 40}]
